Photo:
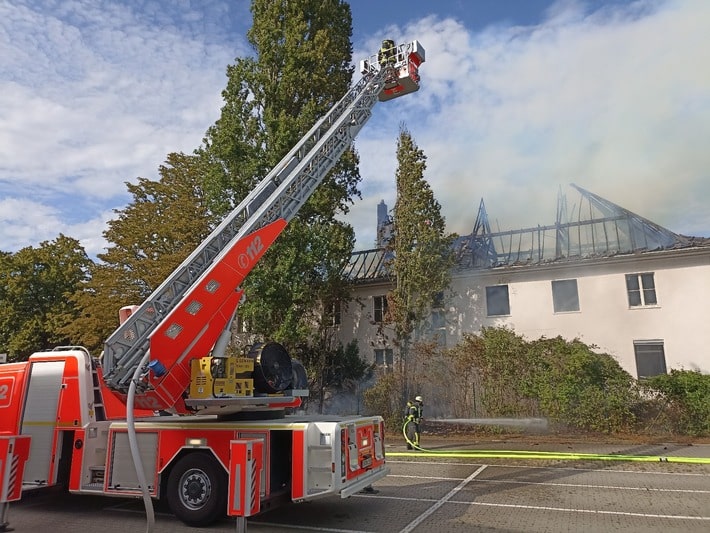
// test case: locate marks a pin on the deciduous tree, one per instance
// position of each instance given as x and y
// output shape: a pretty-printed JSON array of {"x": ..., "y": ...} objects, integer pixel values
[
  {"x": 148, "y": 239},
  {"x": 35, "y": 289},
  {"x": 301, "y": 67}
]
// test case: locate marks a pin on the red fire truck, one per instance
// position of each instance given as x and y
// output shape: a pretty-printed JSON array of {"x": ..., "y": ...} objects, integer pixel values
[{"x": 230, "y": 443}]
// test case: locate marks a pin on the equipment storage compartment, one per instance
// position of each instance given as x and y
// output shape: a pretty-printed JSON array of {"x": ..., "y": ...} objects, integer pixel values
[{"x": 122, "y": 473}]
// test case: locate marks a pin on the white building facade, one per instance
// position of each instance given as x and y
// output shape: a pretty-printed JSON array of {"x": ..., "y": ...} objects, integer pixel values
[{"x": 650, "y": 309}]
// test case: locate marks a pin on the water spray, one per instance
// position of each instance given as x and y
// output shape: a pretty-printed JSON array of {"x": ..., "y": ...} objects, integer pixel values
[
  {"x": 528, "y": 423},
  {"x": 529, "y": 454}
]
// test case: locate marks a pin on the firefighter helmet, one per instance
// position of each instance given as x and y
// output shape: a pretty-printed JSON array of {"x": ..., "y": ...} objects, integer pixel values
[{"x": 418, "y": 399}]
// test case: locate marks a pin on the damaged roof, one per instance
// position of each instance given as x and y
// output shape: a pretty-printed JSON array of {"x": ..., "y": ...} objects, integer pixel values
[{"x": 596, "y": 228}]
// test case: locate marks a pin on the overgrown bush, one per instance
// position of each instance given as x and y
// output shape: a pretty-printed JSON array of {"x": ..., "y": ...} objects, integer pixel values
[
  {"x": 505, "y": 370},
  {"x": 384, "y": 399},
  {"x": 564, "y": 381},
  {"x": 498, "y": 373},
  {"x": 683, "y": 400},
  {"x": 579, "y": 388}
]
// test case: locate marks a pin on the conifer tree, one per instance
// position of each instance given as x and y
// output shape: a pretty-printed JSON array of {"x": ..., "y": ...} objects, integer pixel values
[{"x": 422, "y": 257}]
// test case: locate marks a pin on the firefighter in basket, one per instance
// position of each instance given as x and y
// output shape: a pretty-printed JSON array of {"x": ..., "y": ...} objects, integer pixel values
[
  {"x": 387, "y": 58},
  {"x": 413, "y": 418},
  {"x": 387, "y": 54}
]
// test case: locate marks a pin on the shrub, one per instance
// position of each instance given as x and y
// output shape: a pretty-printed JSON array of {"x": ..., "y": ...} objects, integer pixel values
[
  {"x": 580, "y": 388},
  {"x": 686, "y": 395},
  {"x": 384, "y": 399},
  {"x": 565, "y": 381}
]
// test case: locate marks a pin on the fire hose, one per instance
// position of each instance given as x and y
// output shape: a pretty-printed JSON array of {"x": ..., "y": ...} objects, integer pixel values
[{"x": 418, "y": 451}]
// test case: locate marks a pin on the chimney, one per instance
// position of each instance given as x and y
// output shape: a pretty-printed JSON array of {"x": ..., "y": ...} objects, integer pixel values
[{"x": 384, "y": 225}]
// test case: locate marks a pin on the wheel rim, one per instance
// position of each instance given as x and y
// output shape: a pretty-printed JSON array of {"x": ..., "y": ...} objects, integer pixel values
[{"x": 195, "y": 488}]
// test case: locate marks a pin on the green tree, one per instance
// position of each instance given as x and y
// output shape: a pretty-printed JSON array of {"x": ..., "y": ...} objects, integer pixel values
[
  {"x": 148, "y": 239},
  {"x": 384, "y": 399},
  {"x": 339, "y": 368},
  {"x": 301, "y": 67},
  {"x": 35, "y": 289},
  {"x": 422, "y": 256}
]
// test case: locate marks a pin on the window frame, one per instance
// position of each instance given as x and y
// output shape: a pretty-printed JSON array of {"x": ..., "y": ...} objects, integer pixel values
[
  {"x": 492, "y": 297},
  {"x": 642, "y": 348},
  {"x": 558, "y": 300},
  {"x": 387, "y": 357},
  {"x": 641, "y": 290},
  {"x": 379, "y": 306},
  {"x": 438, "y": 326},
  {"x": 333, "y": 314}
]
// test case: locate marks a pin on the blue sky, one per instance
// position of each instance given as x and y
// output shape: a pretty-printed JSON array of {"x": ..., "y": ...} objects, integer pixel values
[{"x": 518, "y": 98}]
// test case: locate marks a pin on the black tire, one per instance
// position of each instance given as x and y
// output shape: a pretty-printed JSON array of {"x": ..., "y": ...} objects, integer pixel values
[{"x": 197, "y": 489}]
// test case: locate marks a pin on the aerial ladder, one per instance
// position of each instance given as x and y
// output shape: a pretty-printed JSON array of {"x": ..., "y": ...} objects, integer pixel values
[
  {"x": 190, "y": 313},
  {"x": 67, "y": 417}
]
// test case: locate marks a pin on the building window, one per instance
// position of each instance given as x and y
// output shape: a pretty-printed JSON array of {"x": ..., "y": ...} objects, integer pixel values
[
  {"x": 438, "y": 327},
  {"x": 650, "y": 358},
  {"x": 332, "y": 314},
  {"x": 497, "y": 302},
  {"x": 384, "y": 357},
  {"x": 438, "y": 320},
  {"x": 641, "y": 289},
  {"x": 380, "y": 308},
  {"x": 565, "y": 297}
]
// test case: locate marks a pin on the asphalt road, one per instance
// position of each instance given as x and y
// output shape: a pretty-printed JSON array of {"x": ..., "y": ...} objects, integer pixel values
[{"x": 429, "y": 494}]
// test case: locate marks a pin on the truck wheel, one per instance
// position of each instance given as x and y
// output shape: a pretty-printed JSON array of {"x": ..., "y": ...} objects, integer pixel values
[{"x": 197, "y": 489}]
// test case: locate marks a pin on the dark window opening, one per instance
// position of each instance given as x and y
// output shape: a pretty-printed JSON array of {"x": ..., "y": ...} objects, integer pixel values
[
  {"x": 332, "y": 314},
  {"x": 384, "y": 357},
  {"x": 565, "y": 297},
  {"x": 650, "y": 358},
  {"x": 380, "y": 308},
  {"x": 497, "y": 301}
]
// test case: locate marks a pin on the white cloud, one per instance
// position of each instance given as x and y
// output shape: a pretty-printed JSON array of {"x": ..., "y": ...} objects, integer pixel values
[
  {"x": 94, "y": 94},
  {"x": 617, "y": 101},
  {"x": 27, "y": 223}
]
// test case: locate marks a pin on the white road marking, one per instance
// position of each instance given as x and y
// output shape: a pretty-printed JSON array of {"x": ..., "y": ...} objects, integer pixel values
[
  {"x": 414, "y": 523},
  {"x": 551, "y": 484},
  {"x": 531, "y": 467},
  {"x": 586, "y": 511},
  {"x": 307, "y": 528},
  {"x": 433, "y": 478},
  {"x": 591, "y": 486},
  {"x": 540, "y": 508}
]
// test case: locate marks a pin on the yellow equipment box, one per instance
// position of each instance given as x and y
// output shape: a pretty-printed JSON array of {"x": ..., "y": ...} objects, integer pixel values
[{"x": 221, "y": 377}]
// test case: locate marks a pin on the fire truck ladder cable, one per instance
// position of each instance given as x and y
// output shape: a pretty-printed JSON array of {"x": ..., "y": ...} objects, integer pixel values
[{"x": 533, "y": 454}]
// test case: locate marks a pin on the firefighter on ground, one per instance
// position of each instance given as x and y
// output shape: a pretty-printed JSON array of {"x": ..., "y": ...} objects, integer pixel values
[{"x": 413, "y": 419}]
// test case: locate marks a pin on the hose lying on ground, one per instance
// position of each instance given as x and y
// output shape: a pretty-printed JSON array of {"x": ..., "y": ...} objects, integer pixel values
[{"x": 530, "y": 454}]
